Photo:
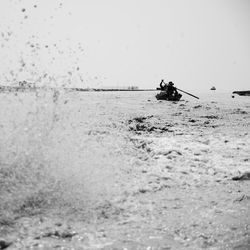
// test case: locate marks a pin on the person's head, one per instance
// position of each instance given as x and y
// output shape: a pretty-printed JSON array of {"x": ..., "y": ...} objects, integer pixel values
[{"x": 171, "y": 83}]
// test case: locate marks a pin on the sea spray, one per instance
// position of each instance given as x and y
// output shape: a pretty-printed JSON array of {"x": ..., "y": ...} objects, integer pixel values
[
  {"x": 26, "y": 183},
  {"x": 60, "y": 151}
]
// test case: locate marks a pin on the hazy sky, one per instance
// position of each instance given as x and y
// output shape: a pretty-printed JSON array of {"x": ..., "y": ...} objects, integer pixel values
[{"x": 194, "y": 43}]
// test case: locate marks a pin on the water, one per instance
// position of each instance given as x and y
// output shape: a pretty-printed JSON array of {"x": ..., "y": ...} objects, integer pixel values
[{"x": 77, "y": 143}]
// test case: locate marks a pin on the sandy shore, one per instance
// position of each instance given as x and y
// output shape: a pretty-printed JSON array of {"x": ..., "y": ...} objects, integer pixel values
[{"x": 124, "y": 171}]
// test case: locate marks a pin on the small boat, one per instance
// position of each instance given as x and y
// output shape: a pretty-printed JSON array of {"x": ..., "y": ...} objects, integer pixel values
[
  {"x": 213, "y": 88},
  {"x": 163, "y": 96},
  {"x": 242, "y": 93}
]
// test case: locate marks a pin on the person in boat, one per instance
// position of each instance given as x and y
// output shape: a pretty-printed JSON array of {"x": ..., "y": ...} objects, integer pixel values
[
  {"x": 163, "y": 85},
  {"x": 171, "y": 90}
]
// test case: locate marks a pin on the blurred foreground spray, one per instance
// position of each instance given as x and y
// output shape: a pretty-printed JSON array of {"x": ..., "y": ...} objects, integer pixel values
[{"x": 58, "y": 150}]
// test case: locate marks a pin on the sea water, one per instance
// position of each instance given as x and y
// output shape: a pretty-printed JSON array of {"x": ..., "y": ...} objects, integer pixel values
[{"x": 80, "y": 140}]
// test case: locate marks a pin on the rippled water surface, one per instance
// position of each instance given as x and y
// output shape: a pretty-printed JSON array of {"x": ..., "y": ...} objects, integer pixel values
[
  {"x": 112, "y": 158},
  {"x": 81, "y": 138}
]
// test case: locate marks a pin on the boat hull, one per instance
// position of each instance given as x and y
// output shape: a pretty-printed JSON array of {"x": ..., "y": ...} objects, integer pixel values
[
  {"x": 243, "y": 93},
  {"x": 163, "y": 96}
]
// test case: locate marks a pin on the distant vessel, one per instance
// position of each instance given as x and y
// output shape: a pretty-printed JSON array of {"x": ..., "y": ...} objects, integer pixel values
[
  {"x": 213, "y": 88},
  {"x": 242, "y": 93}
]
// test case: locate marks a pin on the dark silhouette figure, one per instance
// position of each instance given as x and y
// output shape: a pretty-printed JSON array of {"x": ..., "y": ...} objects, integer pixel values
[
  {"x": 171, "y": 90},
  {"x": 163, "y": 85}
]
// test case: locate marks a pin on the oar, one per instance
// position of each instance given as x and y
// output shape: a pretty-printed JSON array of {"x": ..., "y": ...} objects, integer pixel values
[{"x": 188, "y": 93}]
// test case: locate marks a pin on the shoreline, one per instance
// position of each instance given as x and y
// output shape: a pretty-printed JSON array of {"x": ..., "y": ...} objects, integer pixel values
[{"x": 22, "y": 89}]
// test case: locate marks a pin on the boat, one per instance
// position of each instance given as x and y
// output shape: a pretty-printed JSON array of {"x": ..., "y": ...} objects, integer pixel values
[
  {"x": 213, "y": 88},
  {"x": 176, "y": 97},
  {"x": 163, "y": 96},
  {"x": 242, "y": 93}
]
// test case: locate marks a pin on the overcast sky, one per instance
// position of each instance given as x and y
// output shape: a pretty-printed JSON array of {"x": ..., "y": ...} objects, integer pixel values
[{"x": 196, "y": 44}]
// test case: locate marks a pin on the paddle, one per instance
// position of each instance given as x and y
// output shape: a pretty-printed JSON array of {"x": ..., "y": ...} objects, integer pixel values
[{"x": 188, "y": 93}]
